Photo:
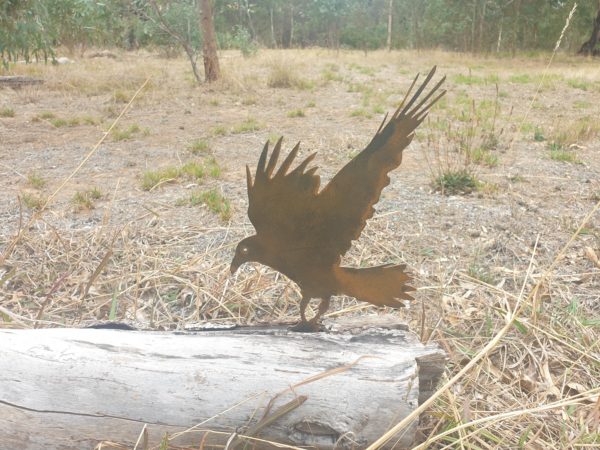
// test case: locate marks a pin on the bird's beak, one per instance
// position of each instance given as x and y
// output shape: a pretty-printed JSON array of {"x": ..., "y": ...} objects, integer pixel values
[{"x": 234, "y": 267}]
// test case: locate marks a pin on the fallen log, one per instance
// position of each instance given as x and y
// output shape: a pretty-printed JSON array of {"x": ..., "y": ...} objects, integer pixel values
[{"x": 73, "y": 388}]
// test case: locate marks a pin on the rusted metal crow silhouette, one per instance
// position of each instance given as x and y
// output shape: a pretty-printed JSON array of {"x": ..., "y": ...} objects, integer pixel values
[{"x": 303, "y": 233}]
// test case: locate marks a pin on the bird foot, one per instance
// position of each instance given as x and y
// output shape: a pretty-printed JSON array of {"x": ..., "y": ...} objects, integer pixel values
[{"x": 307, "y": 327}]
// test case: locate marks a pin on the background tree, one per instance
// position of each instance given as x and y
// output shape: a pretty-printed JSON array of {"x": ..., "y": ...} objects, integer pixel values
[
  {"x": 588, "y": 48},
  {"x": 212, "y": 71}
]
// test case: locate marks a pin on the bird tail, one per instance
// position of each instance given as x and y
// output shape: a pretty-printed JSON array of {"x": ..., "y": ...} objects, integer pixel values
[{"x": 382, "y": 285}]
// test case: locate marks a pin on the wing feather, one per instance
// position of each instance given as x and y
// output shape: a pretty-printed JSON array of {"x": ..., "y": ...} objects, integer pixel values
[
  {"x": 348, "y": 200},
  {"x": 279, "y": 205}
]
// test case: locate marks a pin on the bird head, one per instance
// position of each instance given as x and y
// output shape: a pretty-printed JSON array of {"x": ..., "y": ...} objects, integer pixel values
[{"x": 247, "y": 250}]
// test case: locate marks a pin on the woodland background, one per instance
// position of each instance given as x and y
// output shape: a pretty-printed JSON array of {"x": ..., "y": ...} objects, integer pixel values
[{"x": 33, "y": 27}]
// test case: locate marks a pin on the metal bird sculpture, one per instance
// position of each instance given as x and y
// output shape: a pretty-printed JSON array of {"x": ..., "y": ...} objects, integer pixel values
[{"x": 303, "y": 232}]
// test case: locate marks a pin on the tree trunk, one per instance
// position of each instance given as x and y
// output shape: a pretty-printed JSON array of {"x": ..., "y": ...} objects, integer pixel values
[
  {"x": 73, "y": 388},
  {"x": 273, "y": 40},
  {"x": 209, "y": 49},
  {"x": 516, "y": 27},
  {"x": 389, "y": 28},
  {"x": 250, "y": 23},
  {"x": 588, "y": 48},
  {"x": 291, "y": 25}
]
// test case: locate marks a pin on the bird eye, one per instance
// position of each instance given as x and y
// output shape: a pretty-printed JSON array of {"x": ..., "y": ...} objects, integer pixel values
[{"x": 244, "y": 250}]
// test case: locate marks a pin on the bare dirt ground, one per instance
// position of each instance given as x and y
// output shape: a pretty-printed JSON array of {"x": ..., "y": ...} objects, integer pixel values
[{"x": 110, "y": 246}]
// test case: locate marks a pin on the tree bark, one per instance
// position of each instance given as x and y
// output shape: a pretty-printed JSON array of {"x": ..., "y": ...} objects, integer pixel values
[
  {"x": 212, "y": 71},
  {"x": 73, "y": 388},
  {"x": 588, "y": 48}
]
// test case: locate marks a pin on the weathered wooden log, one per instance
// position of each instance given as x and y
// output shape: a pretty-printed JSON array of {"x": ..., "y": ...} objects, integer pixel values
[
  {"x": 19, "y": 81},
  {"x": 72, "y": 388}
]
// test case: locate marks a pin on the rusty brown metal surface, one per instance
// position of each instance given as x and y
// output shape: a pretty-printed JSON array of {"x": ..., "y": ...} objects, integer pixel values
[{"x": 303, "y": 232}]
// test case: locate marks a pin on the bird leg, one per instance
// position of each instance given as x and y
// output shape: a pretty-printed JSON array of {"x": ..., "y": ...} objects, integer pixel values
[{"x": 312, "y": 325}]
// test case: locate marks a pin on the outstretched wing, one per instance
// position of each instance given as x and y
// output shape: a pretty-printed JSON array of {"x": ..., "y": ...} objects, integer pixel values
[
  {"x": 349, "y": 197},
  {"x": 280, "y": 204}
]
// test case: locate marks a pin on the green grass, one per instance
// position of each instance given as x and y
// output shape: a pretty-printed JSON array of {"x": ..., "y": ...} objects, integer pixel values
[
  {"x": 7, "y": 112},
  {"x": 360, "y": 112},
  {"x": 120, "y": 96},
  {"x": 119, "y": 134},
  {"x": 455, "y": 182},
  {"x": 33, "y": 201},
  {"x": 213, "y": 168},
  {"x": 47, "y": 115},
  {"x": 520, "y": 79},
  {"x": 152, "y": 178},
  {"x": 469, "y": 80},
  {"x": 213, "y": 199},
  {"x": 35, "y": 180},
  {"x": 364, "y": 70},
  {"x": 193, "y": 170},
  {"x": 560, "y": 154},
  {"x": 311, "y": 104},
  {"x": 296, "y": 113},
  {"x": 248, "y": 125},
  {"x": 484, "y": 157},
  {"x": 579, "y": 83},
  {"x": 538, "y": 135},
  {"x": 199, "y": 146},
  {"x": 84, "y": 200},
  {"x": 219, "y": 131},
  {"x": 59, "y": 122}
]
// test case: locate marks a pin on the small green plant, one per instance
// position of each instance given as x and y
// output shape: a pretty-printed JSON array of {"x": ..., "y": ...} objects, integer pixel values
[
  {"x": 484, "y": 157},
  {"x": 213, "y": 168},
  {"x": 120, "y": 96},
  {"x": 122, "y": 135},
  {"x": 153, "y": 178},
  {"x": 219, "y": 131},
  {"x": 213, "y": 199},
  {"x": 558, "y": 153},
  {"x": 455, "y": 182},
  {"x": 579, "y": 83},
  {"x": 193, "y": 170},
  {"x": 311, "y": 104},
  {"x": 296, "y": 113},
  {"x": 199, "y": 146},
  {"x": 33, "y": 201},
  {"x": 59, "y": 122},
  {"x": 378, "y": 109},
  {"x": 84, "y": 200},
  {"x": 7, "y": 112},
  {"x": 214, "y": 102},
  {"x": 538, "y": 135},
  {"x": 467, "y": 79},
  {"x": 89, "y": 120},
  {"x": 250, "y": 124},
  {"x": 47, "y": 115},
  {"x": 360, "y": 112},
  {"x": 520, "y": 79},
  {"x": 35, "y": 180}
]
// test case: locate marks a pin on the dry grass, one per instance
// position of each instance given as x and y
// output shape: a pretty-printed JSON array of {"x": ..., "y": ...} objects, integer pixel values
[{"x": 525, "y": 340}]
